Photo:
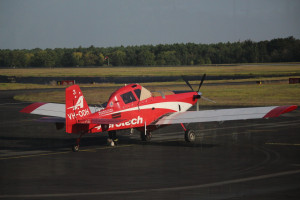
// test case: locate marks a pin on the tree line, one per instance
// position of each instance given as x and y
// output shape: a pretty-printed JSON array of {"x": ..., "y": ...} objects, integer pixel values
[{"x": 276, "y": 50}]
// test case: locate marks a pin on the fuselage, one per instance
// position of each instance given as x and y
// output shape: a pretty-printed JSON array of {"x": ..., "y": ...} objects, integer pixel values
[{"x": 139, "y": 107}]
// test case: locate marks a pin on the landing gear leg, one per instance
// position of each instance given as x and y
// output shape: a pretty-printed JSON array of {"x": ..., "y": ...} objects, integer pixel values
[
  {"x": 147, "y": 136},
  {"x": 75, "y": 147},
  {"x": 112, "y": 138},
  {"x": 189, "y": 135}
]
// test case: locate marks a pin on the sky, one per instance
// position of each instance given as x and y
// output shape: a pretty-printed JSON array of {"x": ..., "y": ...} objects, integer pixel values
[{"x": 28, "y": 24}]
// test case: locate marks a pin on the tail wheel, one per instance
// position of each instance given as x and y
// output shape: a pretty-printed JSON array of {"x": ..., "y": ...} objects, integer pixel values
[
  {"x": 75, "y": 148},
  {"x": 147, "y": 136},
  {"x": 190, "y": 136}
]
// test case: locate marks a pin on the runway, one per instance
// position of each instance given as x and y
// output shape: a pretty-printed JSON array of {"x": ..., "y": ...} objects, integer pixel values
[{"x": 253, "y": 159}]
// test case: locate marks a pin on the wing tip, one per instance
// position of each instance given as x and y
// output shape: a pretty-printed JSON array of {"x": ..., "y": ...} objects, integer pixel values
[
  {"x": 277, "y": 111},
  {"x": 32, "y": 107}
]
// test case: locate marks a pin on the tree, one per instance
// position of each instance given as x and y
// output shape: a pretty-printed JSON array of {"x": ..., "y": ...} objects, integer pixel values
[
  {"x": 131, "y": 56},
  {"x": 90, "y": 59},
  {"x": 118, "y": 58},
  {"x": 67, "y": 59},
  {"x": 168, "y": 58},
  {"x": 16, "y": 59},
  {"x": 100, "y": 59},
  {"x": 207, "y": 60},
  {"x": 77, "y": 58},
  {"x": 28, "y": 58},
  {"x": 276, "y": 50},
  {"x": 43, "y": 59},
  {"x": 146, "y": 58}
]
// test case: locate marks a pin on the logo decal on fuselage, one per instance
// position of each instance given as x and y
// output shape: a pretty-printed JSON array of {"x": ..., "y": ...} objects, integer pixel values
[{"x": 133, "y": 121}]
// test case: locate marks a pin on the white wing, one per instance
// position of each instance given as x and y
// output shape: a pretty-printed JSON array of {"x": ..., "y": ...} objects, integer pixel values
[{"x": 225, "y": 114}]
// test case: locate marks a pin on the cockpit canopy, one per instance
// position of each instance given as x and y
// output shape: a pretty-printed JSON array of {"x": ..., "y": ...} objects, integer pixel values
[
  {"x": 131, "y": 94},
  {"x": 128, "y": 94}
]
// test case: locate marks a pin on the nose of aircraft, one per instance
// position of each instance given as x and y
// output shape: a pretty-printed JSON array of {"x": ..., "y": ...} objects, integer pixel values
[{"x": 197, "y": 96}]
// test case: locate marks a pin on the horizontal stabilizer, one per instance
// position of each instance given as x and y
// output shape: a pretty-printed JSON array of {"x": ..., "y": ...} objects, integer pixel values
[
  {"x": 50, "y": 109},
  {"x": 46, "y": 109}
]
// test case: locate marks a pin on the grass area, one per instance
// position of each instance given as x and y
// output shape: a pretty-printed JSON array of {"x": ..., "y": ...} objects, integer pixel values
[
  {"x": 254, "y": 95},
  {"x": 23, "y": 86},
  {"x": 224, "y": 95},
  {"x": 240, "y": 70},
  {"x": 232, "y": 95}
]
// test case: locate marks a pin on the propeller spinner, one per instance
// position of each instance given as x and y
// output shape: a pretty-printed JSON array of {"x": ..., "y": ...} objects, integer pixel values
[{"x": 199, "y": 95}]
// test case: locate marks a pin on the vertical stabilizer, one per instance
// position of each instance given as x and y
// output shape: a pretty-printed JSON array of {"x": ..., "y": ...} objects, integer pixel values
[{"x": 76, "y": 109}]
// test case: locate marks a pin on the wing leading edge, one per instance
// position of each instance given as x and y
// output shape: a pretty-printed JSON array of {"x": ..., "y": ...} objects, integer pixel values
[{"x": 225, "y": 114}]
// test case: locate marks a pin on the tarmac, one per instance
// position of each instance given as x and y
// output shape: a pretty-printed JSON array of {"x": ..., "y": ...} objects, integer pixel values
[{"x": 250, "y": 159}]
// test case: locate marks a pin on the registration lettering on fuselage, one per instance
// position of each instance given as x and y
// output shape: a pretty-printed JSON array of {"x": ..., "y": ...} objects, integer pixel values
[{"x": 80, "y": 113}]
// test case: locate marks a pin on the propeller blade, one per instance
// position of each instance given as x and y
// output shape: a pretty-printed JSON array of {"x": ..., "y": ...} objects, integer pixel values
[
  {"x": 207, "y": 99},
  {"x": 203, "y": 78},
  {"x": 187, "y": 82}
]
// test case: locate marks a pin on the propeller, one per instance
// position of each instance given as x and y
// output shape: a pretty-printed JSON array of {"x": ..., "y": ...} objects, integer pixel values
[
  {"x": 199, "y": 95},
  {"x": 207, "y": 99},
  {"x": 187, "y": 82},
  {"x": 203, "y": 78}
]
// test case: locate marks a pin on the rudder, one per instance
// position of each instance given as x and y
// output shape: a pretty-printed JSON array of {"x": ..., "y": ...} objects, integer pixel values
[{"x": 76, "y": 109}]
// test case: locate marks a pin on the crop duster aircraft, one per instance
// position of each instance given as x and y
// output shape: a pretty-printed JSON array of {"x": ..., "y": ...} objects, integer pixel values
[{"x": 135, "y": 107}]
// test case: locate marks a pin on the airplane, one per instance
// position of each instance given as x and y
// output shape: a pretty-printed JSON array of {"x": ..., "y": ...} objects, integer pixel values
[{"x": 135, "y": 107}]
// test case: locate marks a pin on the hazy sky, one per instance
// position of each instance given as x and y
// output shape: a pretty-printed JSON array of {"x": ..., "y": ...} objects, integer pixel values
[{"x": 70, "y": 23}]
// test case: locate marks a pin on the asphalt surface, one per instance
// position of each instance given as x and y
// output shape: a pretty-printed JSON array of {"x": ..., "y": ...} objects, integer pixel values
[{"x": 253, "y": 159}]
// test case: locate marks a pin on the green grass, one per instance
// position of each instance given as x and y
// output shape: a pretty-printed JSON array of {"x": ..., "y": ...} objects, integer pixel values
[
  {"x": 224, "y": 95},
  {"x": 254, "y": 95},
  {"x": 266, "y": 94},
  {"x": 22, "y": 86},
  {"x": 240, "y": 70}
]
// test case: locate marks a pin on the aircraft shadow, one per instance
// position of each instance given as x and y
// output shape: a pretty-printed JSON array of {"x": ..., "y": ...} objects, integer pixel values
[
  {"x": 56, "y": 144},
  {"x": 177, "y": 143}
]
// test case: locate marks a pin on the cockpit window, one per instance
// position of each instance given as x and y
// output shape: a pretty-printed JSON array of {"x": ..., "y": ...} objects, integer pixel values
[
  {"x": 137, "y": 93},
  {"x": 128, "y": 97}
]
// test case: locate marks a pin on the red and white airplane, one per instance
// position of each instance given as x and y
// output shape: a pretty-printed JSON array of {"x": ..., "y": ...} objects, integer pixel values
[{"x": 135, "y": 107}]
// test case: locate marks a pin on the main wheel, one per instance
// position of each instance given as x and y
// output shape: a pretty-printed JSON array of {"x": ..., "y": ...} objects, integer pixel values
[
  {"x": 112, "y": 138},
  {"x": 190, "y": 136},
  {"x": 147, "y": 136}
]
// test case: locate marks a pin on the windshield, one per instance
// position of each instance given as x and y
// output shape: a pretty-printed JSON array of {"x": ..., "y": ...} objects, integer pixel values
[{"x": 128, "y": 97}]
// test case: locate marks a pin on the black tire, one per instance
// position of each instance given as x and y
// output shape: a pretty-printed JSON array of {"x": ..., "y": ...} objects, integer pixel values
[
  {"x": 112, "y": 135},
  {"x": 190, "y": 136},
  {"x": 146, "y": 137},
  {"x": 75, "y": 148},
  {"x": 112, "y": 138}
]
